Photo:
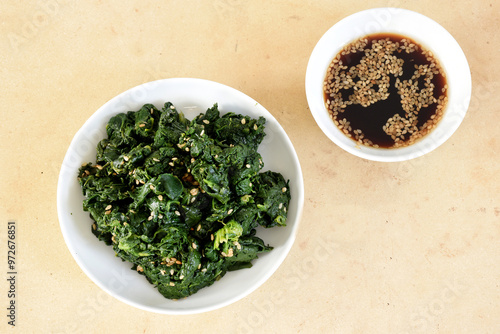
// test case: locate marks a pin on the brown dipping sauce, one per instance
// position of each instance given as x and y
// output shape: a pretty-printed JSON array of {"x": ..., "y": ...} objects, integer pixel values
[{"x": 385, "y": 91}]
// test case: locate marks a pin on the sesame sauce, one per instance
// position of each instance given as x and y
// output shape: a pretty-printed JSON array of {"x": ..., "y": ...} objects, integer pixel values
[{"x": 385, "y": 91}]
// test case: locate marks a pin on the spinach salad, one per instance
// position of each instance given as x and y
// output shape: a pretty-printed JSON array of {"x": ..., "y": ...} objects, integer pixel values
[{"x": 181, "y": 200}]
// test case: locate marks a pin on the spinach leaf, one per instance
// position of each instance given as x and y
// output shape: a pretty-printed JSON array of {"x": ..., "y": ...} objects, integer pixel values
[{"x": 181, "y": 200}]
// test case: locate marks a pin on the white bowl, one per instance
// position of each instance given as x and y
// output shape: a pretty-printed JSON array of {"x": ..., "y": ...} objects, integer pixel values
[
  {"x": 424, "y": 31},
  {"x": 98, "y": 261}
]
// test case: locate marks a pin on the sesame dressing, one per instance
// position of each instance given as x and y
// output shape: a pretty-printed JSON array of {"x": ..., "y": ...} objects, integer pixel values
[{"x": 385, "y": 90}]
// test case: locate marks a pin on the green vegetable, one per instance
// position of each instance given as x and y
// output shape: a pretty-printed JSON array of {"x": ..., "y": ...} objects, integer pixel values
[{"x": 181, "y": 200}]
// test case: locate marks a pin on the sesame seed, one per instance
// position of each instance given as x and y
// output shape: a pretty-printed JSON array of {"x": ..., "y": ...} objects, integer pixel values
[
  {"x": 108, "y": 207},
  {"x": 243, "y": 121},
  {"x": 142, "y": 125},
  {"x": 177, "y": 213},
  {"x": 160, "y": 197},
  {"x": 193, "y": 245},
  {"x": 230, "y": 211},
  {"x": 206, "y": 121},
  {"x": 283, "y": 189},
  {"x": 198, "y": 227},
  {"x": 194, "y": 191}
]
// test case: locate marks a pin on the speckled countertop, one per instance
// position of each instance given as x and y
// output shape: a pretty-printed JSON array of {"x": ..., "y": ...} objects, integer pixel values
[{"x": 411, "y": 247}]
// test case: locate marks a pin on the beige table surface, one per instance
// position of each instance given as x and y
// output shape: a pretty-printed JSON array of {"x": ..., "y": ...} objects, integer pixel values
[{"x": 411, "y": 247}]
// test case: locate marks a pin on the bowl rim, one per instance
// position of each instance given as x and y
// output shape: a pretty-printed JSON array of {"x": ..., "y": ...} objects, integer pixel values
[
  {"x": 397, "y": 21},
  {"x": 65, "y": 169}
]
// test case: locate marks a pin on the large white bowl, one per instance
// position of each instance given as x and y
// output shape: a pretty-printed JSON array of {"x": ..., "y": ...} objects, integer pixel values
[
  {"x": 424, "y": 31},
  {"x": 98, "y": 261}
]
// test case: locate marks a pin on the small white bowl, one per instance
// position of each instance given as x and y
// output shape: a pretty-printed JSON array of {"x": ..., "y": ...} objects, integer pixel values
[
  {"x": 424, "y": 31},
  {"x": 98, "y": 261}
]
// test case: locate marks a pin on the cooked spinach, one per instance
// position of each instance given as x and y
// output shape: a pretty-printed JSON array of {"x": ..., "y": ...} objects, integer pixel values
[{"x": 181, "y": 199}]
